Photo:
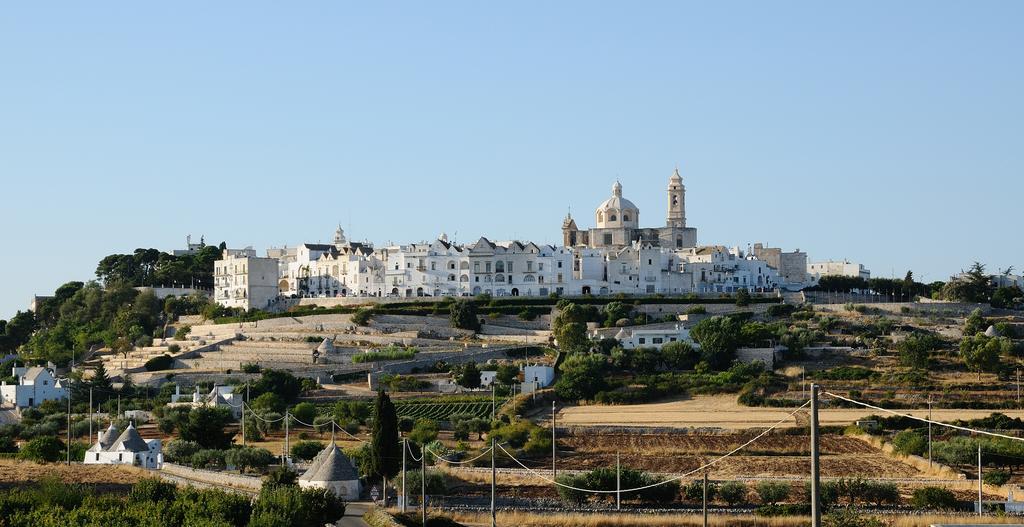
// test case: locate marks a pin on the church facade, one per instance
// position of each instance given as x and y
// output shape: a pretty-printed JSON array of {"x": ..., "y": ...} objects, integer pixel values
[{"x": 617, "y": 223}]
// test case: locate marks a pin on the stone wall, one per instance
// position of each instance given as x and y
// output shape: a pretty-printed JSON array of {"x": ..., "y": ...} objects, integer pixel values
[{"x": 223, "y": 479}]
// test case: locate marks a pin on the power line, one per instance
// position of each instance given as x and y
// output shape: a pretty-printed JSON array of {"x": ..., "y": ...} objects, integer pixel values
[{"x": 677, "y": 478}]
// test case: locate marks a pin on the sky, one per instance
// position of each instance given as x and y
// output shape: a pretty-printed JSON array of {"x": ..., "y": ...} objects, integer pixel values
[{"x": 887, "y": 133}]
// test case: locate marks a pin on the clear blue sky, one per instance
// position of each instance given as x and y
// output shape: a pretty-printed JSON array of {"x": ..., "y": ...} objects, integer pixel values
[{"x": 890, "y": 133}]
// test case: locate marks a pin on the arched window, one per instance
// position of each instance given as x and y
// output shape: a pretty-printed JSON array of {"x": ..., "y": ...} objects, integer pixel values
[
  {"x": 464, "y": 278},
  {"x": 451, "y": 278},
  {"x": 528, "y": 278},
  {"x": 600, "y": 216},
  {"x": 612, "y": 217},
  {"x": 625, "y": 217},
  {"x": 499, "y": 278}
]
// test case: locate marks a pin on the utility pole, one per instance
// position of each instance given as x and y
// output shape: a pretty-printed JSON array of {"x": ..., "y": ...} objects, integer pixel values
[
  {"x": 90, "y": 414},
  {"x": 980, "y": 503},
  {"x": 705, "y": 498},
  {"x": 554, "y": 471},
  {"x": 494, "y": 487},
  {"x": 423, "y": 486},
  {"x": 404, "y": 495},
  {"x": 118, "y": 406},
  {"x": 69, "y": 421},
  {"x": 492, "y": 399},
  {"x": 929, "y": 433},
  {"x": 815, "y": 472},
  {"x": 285, "y": 456},
  {"x": 246, "y": 398},
  {"x": 618, "y": 482},
  {"x": 1018, "y": 387}
]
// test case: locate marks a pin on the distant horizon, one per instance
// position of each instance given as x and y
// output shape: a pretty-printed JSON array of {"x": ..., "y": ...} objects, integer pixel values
[{"x": 890, "y": 135}]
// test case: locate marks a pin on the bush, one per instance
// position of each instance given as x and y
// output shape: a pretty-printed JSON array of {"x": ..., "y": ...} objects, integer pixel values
[
  {"x": 909, "y": 442},
  {"x": 180, "y": 451},
  {"x": 605, "y": 479},
  {"x": 772, "y": 492},
  {"x": 463, "y": 315},
  {"x": 695, "y": 491},
  {"x": 435, "y": 482},
  {"x": 280, "y": 477},
  {"x": 209, "y": 459},
  {"x": 153, "y": 489},
  {"x": 780, "y": 310},
  {"x": 245, "y": 458},
  {"x": 163, "y": 362},
  {"x": 289, "y": 505},
  {"x": 251, "y": 367},
  {"x": 933, "y": 498},
  {"x": 304, "y": 412},
  {"x": 182, "y": 332},
  {"x": 996, "y": 477},
  {"x": 45, "y": 449},
  {"x": 389, "y": 353},
  {"x": 306, "y": 450},
  {"x": 362, "y": 316}
]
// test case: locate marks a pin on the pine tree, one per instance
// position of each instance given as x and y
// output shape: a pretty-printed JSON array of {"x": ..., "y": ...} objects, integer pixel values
[
  {"x": 100, "y": 380},
  {"x": 385, "y": 450}
]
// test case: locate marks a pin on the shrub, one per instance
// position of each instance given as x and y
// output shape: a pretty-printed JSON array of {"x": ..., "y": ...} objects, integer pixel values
[
  {"x": 209, "y": 458},
  {"x": 289, "y": 505},
  {"x": 435, "y": 482},
  {"x": 772, "y": 492},
  {"x": 996, "y": 477},
  {"x": 463, "y": 315},
  {"x": 280, "y": 477},
  {"x": 182, "y": 332},
  {"x": 45, "y": 449},
  {"x": 180, "y": 451},
  {"x": 780, "y": 310},
  {"x": 245, "y": 458},
  {"x": 695, "y": 491},
  {"x": 153, "y": 489},
  {"x": 362, "y": 316},
  {"x": 163, "y": 362},
  {"x": 933, "y": 498},
  {"x": 304, "y": 412},
  {"x": 173, "y": 348},
  {"x": 909, "y": 442},
  {"x": 605, "y": 479},
  {"x": 251, "y": 367},
  {"x": 698, "y": 310}
]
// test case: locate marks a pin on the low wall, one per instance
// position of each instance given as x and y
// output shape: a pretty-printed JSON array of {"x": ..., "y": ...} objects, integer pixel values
[
  {"x": 223, "y": 479},
  {"x": 930, "y": 307}
]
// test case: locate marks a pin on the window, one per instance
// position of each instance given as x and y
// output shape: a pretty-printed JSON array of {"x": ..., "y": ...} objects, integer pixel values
[
  {"x": 559, "y": 264},
  {"x": 612, "y": 217},
  {"x": 476, "y": 267},
  {"x": 529, "y": 266},
  {"x": 625, "y": 217},
  {"x": 540, "y": 266},
  {"x": 509, "y": 266},
  {"x": 499, "y": 266},
  {"x": 657, "y": 340},
  {"x": 607, "y": 238},
  {"x": 642, "y": 340},
  {"x": 488, "y": 264}
]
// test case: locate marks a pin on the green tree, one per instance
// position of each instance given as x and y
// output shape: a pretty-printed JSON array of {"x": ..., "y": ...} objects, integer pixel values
[
  {"x": 582, "y": 376},
  {"x": 279, "y": 505},
  {"x": 284, "y": 384},
  {"x": 270, "y": 402},
  {"x": 205, "y": 426},
  {"x": 424, "y": 431},
  {"x": 772, "y": 492},
  {"x": 304, "y": 412},
  {"x": 468, "y": 375},
  {"x": 1008, "y": 298},
  {"x": 915, "y": 350},
  {"x": 385, "y": 450},
  {"x": 462, "y": 315},
  {"x": 909, "y": 442},
  {"x": 742, "y": 297},
  {"x": 507, "y": 374},
  {"x": 45, "y": 449},
  {"x": 975, "y": 323},
  {"x": 933, "y": 498},
  {"x": 973, "y": 286},
  {"x": 718, "y": 338},
  {"x": 679, "y": 356},
  {"x": 572, "y": 338},
  {"x": 733, "y": 492},
  {"x": 306, "y": 450},
  {"x": 982, "y": 354}
]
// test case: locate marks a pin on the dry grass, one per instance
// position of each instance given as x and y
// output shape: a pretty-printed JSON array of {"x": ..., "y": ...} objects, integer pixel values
[
  {"x": 14, "y": 472},
  {"x": 525, "y": 519},
  {"x": 722, "y": 411}
]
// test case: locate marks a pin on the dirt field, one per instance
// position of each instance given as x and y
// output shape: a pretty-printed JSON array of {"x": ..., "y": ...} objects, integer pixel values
[
  {"x": 109, "y": 478},
  {"x": 722, "y": 411}
]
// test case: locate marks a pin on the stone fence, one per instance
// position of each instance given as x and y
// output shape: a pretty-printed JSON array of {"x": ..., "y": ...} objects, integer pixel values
[{"x": 220, "y": 479}]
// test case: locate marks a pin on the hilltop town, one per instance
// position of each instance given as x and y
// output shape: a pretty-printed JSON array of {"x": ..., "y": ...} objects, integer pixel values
[{"x": 656, "y": 374}]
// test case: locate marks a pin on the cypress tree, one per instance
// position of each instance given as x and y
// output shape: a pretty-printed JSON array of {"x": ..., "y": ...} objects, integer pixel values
[{"x": 385, "y": 450}]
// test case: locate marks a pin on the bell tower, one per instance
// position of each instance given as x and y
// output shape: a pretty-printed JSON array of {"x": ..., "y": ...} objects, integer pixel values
[{"x": 676, "y": 216}]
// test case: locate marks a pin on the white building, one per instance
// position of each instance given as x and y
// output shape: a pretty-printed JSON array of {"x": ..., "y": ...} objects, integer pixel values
[
  {"x": 717, "y": 269},
  {"x": 542, "y": 375},
  {"x": 35, "y": 385},
  {"x": 243, "y": 280},
  {"x": 219, "y": 397},
  {"x": 816, "y": 270},
  {"x": 332, "y": 470},
  {"x": 487, "y": 378},
  {"x": 651, "y": 337},
  {"x": 127, "y": 448}
]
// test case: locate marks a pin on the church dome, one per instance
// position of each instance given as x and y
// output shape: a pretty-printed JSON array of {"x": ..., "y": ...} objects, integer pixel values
[{"x": 617, "y": 211}]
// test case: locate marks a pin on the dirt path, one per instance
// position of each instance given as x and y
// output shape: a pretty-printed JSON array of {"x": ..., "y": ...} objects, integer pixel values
[{"x": 722, "y": 411}]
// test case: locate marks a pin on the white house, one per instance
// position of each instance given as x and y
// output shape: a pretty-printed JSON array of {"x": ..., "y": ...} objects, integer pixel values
[
  {"x": 649, "y": 337},
  {"x": 219, "y": 396},
  {"x": 241, "y": 279},
  {"x": 542, "y": 375},
  {"x": 127, "y": 448},
  {"x": 35, "y": 385},
  {"x": 487, "y": 377},
  {"x": 332, "y": 470}
]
